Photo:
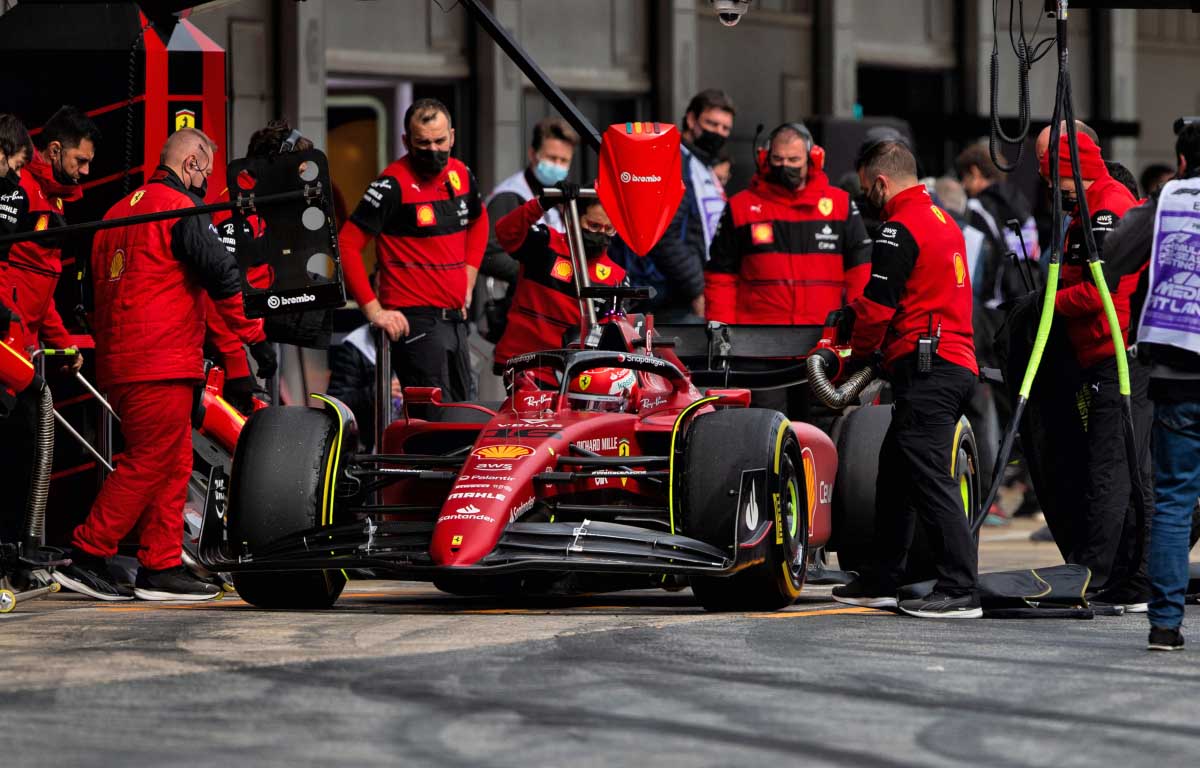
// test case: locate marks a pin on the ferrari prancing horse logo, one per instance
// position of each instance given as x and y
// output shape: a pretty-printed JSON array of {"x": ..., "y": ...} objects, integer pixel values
[
  {"x": 825, "y": 206},
  {"x": 185, "y": 118},
  {"x": 455, "y": 181}
]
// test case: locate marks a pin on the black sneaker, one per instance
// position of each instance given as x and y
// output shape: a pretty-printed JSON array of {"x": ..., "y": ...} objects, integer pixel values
[
  {"x": 1164, "y": 639},
  {"x": 172, "y": 584},
  {"x": 939, "y": 606},
  {"x": 866, "y": 592},
  {"x": 1132, "y": 600},
  {"x": 88, "y": 575}
]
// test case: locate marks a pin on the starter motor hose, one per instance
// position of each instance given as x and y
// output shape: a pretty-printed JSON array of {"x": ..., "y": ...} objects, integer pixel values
[
  {"x": 39, "y": 481},
  {"x": 836, "y": 398}
]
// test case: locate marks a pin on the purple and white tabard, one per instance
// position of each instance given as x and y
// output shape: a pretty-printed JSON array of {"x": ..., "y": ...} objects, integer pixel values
[{"x": 1171, "y": 314}]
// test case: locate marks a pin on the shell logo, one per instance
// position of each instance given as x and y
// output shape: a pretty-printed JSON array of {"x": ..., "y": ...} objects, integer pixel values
[
  {"x": 455, "y": 181},
  {"x": 425, "y": 216},
  {"x": 825, "y": 206},
  {"x": 562, "y": 270},
  {"x": 810, "y": 479},
  {"x": 42, "y": 223},
  {"x": 502, "y": 452},
  {"x": 761, "y": 234},
  {"x": 938, "y": 212},
  {"x": 960, "y": 270},
  {"x": 116, "y": 265}
]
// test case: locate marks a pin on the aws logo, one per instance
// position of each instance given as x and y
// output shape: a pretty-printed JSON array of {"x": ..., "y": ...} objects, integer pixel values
[{"x": 506, "y": 452}]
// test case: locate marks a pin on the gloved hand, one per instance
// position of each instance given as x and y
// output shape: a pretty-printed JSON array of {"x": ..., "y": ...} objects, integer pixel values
[
  {"x": 569, "y": 189},
  {"x": 263, "y": 353},
  {"x": 7, "y": 318},
  {"x": 239, "y": 393},
  {"x": 843, "y": 320}
]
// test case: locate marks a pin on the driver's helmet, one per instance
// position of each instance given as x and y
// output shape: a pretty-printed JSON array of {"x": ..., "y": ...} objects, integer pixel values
[{"x": 611, "y": 390}]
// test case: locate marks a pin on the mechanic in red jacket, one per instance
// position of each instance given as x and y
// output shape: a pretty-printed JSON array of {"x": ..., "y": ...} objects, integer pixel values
[
  {"x": 790, "y": 249},
  {"x": 431, "y": 229},
  {"x": 149, "y": 282},
  {"x": 915, "y": 313},
  {"x": 546, "y": 304},
  {"x": 66, "y": 146},
  {"x": 1105, "y": 525}
]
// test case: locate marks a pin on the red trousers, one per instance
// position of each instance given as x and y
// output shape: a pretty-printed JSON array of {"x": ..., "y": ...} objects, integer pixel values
[{"x": 149, "y": 487}]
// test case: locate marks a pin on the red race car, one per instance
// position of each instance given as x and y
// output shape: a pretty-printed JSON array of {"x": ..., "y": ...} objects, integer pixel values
[{"x": 605, "y": 461}]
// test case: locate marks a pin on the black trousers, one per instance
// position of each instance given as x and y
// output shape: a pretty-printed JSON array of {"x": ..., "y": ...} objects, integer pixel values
[
  {"x": 16, "y": 464},
  {"x": 434, "y": 354},
  {"x": 1107, "y": 534},
  {"x": 915, "y": 486}
]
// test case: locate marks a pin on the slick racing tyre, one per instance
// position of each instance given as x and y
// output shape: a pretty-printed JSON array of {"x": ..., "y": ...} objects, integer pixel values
[
  {"x": 859, "y": 439},
  {"x": 277, "y": 489},
  {"x": 741, "y": 473}
]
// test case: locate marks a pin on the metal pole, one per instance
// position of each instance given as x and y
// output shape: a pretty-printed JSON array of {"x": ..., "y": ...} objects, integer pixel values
[
  {"x": 79, "y": 439},
  {"x": 519, "y": 56},
  {"x": 250, "y": 202},
  {"x": 383, "y": 392}
]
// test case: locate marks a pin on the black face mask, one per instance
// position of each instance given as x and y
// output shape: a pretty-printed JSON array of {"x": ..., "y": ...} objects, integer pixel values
[
  {"x": 59, "y": 174},
  {"x": 200, "y": 191},
  {"x": 428, "y": 162},
  {"x": 595, "y": 243},
  {"x": 786, "y": 177},
  {"x": 709, "y": 144}
]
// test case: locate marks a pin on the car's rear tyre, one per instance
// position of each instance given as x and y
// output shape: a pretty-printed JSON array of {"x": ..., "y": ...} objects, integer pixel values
[
  {"x": 859, "y": 439},
  {"x": 278, "y": 488},
  {"x": 721, "y": 447}
]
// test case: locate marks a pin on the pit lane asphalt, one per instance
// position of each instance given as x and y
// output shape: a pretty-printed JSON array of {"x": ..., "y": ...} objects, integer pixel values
[{"x": 398, "y": 674}]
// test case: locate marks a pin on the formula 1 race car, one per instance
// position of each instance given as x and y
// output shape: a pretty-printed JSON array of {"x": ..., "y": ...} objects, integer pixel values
[{"x": 601, "y": 461}]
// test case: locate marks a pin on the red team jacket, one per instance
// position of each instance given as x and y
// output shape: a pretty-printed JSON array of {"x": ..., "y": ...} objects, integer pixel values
[
  {"x": 34, "y": 268},
  {"x": 427, "y": 232},
  {"x": 786, "y": 258},
  {"x": 1077, "y": 299},
  {"x": 546, "y": 304},
  {"x": 919, "y": 284},
  {"x": 149, "y": 280}
]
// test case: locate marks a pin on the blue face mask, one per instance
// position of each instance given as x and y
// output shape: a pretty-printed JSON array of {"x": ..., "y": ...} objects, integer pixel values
[{"x": 549, "y": 173}]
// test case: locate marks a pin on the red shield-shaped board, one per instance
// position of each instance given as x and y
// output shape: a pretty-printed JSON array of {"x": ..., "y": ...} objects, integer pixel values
[{"x": 641, "y": 182}]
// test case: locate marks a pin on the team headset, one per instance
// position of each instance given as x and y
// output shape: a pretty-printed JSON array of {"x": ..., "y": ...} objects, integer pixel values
[{"x": 816, "y": 153}]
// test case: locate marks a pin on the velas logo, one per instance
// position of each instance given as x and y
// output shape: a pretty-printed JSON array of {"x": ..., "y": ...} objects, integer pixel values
[
  {"x": 275, "y": 302},
  {"x": 960, "y": 270},
  {"x": 633, "y": 178},
  {"x": 507, "y": 452},
  {"x": 825, "y": 206},
  {"x": 426, "y": 216},
  {"x": 762, "y": 234}
]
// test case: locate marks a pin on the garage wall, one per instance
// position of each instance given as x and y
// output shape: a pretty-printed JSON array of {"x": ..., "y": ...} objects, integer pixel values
[
  {"x": 247, "y": 32},
  {"x": 1168, "y": 52}
]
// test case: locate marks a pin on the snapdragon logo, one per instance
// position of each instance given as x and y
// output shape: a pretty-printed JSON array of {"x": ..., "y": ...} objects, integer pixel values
[
  {"x": 275, "y": 302},
  {"x": 627, "y": 177}
]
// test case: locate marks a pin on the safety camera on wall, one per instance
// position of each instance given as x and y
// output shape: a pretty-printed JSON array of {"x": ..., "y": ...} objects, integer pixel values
[{"x": 730, "y": 12}]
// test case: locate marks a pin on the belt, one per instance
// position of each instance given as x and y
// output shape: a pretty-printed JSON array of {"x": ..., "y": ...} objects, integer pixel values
[{"x": 439, "y": 313}]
